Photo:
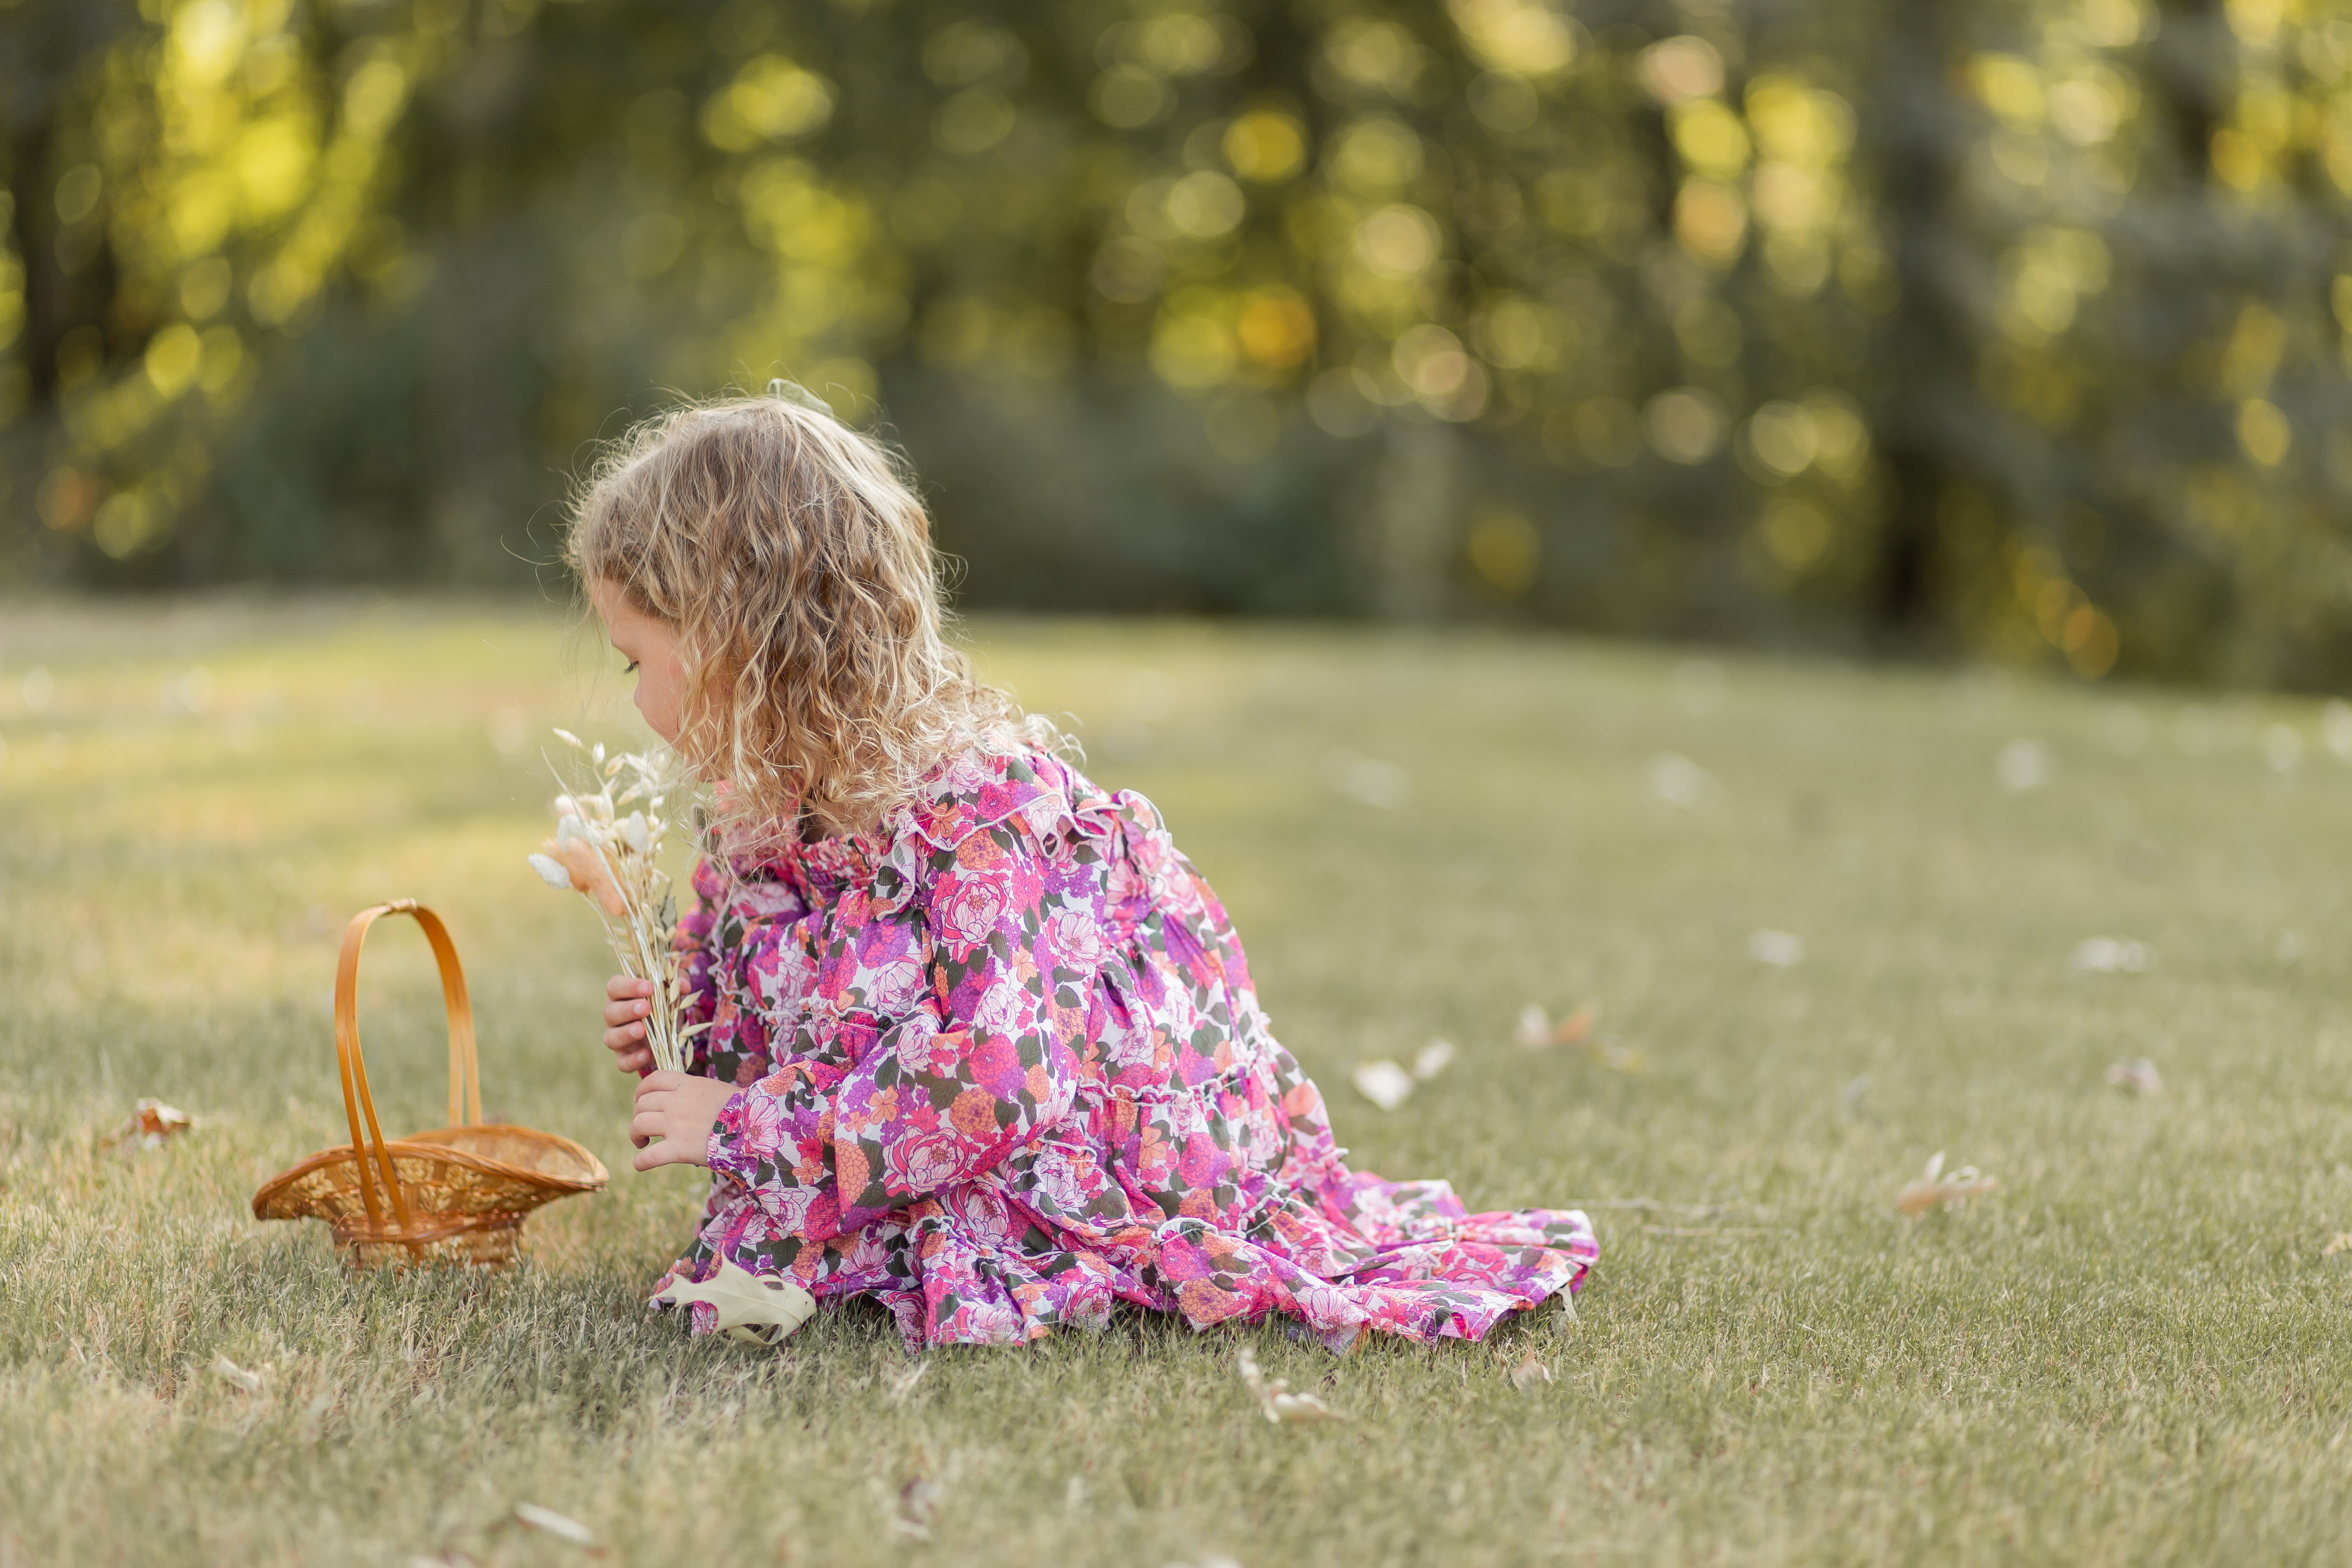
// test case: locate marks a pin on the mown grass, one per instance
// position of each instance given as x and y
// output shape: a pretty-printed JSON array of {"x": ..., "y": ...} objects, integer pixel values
[{"x": 2135, "y": 1351}]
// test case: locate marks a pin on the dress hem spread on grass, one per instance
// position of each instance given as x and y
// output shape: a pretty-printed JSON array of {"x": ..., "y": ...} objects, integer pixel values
[{"x": 1000, "y": 1066}]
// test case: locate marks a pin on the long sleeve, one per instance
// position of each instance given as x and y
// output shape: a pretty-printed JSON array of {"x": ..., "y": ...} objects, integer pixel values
[
  {"x": 697, "y": 976},
  {"x": 972, "y": 1002},
  {"x": 742, "y": 954}
]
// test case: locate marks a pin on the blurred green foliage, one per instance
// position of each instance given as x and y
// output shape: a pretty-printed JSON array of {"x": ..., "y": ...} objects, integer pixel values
[{"x": 2011, "y": 327}]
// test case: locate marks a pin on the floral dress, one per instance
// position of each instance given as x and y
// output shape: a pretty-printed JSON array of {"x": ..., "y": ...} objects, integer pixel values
[{"x": 1000, "y": 1066}]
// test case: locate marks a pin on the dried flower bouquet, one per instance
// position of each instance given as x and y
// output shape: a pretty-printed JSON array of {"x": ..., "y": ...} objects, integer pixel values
[{"x": 615, "y": 862}]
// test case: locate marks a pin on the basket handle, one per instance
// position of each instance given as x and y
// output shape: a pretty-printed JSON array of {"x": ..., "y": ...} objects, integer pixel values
[{"x": 464, "y": 1072}]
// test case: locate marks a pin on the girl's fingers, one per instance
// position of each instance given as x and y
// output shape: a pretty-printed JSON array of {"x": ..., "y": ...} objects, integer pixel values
[
  {"x": 621, "y": 988},
  {"x": 619, "y": 1013},
  {"x": 668, "y": 1151}
]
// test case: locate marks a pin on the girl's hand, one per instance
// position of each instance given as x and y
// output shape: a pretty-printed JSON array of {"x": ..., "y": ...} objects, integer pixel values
[
  {"x": 679, "y": 1110},
  {"x": 627, "y": 1005}
]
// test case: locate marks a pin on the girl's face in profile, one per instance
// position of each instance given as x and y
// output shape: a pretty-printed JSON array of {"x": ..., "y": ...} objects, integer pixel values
[{"x": 650, "y": 645}]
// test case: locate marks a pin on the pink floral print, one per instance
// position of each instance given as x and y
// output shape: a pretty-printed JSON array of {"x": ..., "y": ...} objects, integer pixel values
[{"x": 1000, "y": 1066}]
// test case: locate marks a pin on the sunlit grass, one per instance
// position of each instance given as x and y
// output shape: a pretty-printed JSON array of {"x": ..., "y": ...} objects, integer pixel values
[{"x": 2133, "y": 1350}]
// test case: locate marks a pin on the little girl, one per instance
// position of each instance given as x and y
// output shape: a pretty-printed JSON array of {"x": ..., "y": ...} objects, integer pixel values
[{"x": 983, "y": 1044}]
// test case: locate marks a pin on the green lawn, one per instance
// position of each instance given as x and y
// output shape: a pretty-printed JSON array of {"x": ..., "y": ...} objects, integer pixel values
[{"x": 2135, "y": 1351}]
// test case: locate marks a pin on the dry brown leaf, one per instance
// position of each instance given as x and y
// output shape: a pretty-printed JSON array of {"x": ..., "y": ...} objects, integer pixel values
[
  {"x": 150, "y": 1124},
  {"x": 1530, "y": 1369},
  {"x": 1937, "y": 1188},
  {"x": 2342, "y": 1243}
]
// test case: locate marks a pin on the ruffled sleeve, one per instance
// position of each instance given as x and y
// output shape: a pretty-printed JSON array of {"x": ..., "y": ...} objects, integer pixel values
[{"x": 978, "y": 1062}]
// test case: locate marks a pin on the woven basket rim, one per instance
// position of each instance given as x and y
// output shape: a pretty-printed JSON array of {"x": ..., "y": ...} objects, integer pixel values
[
  {"x": 423, "y": 1146},
  {"x": 353, "y": 1230}
]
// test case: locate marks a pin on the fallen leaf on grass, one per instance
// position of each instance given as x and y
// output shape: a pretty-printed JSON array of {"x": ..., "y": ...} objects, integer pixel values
[
  {"x": 1614, "y": 1056},
  {"x": 2138, "y": 1075},
  {"x": 904, "y": 1383},
  {"x": 1274, "y": 1398},
  {"x": 1383, "y": 1083},
  {"x": 1537, "y": 1030},
  {"x": 150, "y": 1122},
  {"x": 1368, "y": 780},
  {"x": 918, "y": 1504},
  {"x": 2024, "y": 764},
  {"x": 756, "y": 1308},
  {"x": 1936, "y": 1188},
  {"x": 547, "y": 1521},
  {"x": 2107, "y": 955},
  {"x": 229, "y": 1372},
  {"x": 1678, "y": 780},
  {"x": 2343, "y": 1243},
  {"x": 1432, "y": 1059},
  {"x": 1529, "y": 1370}
]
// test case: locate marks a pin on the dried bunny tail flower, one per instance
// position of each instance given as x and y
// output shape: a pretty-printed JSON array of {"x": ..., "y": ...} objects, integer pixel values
[
  {"x": 587, "y": 873},
  {"x": 551, "y": 872},
  {"x": 793, "y": 558}
]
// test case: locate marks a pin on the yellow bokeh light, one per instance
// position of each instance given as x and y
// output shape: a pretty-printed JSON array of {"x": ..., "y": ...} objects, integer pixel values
[
  {"x": 1265, "y": 145},
  {"x": 1399, "y": 241},
  {"x": 174, "y": 356},
  {"x": 1711, "y": 221},
  {"x": 1710, "y": 138},
  {"x": 1375, "y": 155},
  {"x": 1527, "y": 37},
  {"x": 2011, "y": 88},
  {"x": 1276, "y": 328},
  {"x": 1505, "y": 548},
  {"x": 2264, "y": 432},
  {"x": 1191, "y": 349}
]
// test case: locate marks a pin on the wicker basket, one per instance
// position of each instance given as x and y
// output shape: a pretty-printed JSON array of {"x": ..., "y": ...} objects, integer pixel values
[{"x": 457, "y": 1195}]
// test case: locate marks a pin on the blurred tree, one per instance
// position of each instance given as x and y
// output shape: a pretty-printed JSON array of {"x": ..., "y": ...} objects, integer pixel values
[{"x": 2014, "y": 326}]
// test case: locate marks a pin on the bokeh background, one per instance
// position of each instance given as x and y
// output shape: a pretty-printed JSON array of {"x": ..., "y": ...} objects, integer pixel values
[{"x": 2014, "y": 330}]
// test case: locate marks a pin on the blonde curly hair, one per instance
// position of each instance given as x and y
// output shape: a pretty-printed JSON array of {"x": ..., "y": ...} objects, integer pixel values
[{"x": 793, "y": 559}]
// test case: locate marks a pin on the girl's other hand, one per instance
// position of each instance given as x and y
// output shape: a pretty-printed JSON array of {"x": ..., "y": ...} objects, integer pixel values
[
  {"x": 627, "y": 1005},
  {"x": 679, "y": 1110}
]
